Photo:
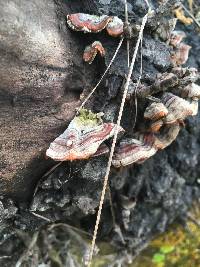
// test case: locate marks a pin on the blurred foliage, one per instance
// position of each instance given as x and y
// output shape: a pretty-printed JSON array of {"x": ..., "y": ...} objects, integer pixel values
[
  {"x": 178, "y": 247},
  {"x": 62, "y": 245}
]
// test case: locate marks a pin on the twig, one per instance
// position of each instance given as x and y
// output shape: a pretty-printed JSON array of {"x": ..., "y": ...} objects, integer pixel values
[
  {"x": 126, "y": 11},
  {"x": 128, "y": 42},
  {"x": 111, "y": 205},
  {"x": 137, "y": 85},
  {"x": 191, "y": 15},
  {"x": 4, "y": 257},
  {"x": 40, "y": 216},
  {"x": 45, "y": 175},
  {"x": 60, "y": 224},
  {"x": 69, "y": 226},
  {"x": 115, "y": 138},
  {"x": 52, "y": 169},
  {"x": 30, "y": 247},
  {"x": 93, "y": 90},
  {"x": 128, "y": 53}
]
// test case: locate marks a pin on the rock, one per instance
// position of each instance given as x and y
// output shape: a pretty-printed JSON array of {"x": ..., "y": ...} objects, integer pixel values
[{"x": 7, "y": 209}]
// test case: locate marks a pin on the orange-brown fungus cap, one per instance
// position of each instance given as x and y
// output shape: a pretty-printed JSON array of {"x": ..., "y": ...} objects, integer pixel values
[
  {"x": 87, "y": 23},
  {"x": 115, "y": 27},
  {"x": 91, "y": 51}
]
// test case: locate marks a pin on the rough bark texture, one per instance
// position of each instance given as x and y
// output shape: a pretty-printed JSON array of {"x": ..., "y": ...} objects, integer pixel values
[{"x": 42, "y": 77}]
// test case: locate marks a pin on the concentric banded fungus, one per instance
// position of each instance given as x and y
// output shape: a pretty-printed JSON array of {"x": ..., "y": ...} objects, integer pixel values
[
  {"x": 87, "y": 23},
  {"x": 180, "y": 55},
  {"x": 132, "y": 151},
  {"x": 178, "y": 108},
  {"x": 156, "y": 126},
  {"x": 192, "y": 90},
  {"x": 155, "y": 111},
  {"x": 162, "y": 83},
  {"x": 179, "y": 76},
  {"x": 176, "y": 38},
  {"x": 168, "y": 135},
  {"x": 194, "y": 107},
  {"x": 91, "y": 51},
  {"x": 191, "y": 74},
  {"x": 102, "y": 150},
  {"x": 82, "y": 138},
  {"x": 115, "y": 27},
  {"x": 91, "y": 23}
]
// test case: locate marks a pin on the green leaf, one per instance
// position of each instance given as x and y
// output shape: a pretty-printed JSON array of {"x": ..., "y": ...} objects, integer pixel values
[
  {"x": 167, "y": 249},
  {"x": 158, "y": 257}
]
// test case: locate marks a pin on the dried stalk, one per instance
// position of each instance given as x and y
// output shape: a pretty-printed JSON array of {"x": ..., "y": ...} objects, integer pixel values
[
  {"x": 128, "y": 42},
  {"x": 107, "y": 69},
  {"x": 115, "y": 138}
]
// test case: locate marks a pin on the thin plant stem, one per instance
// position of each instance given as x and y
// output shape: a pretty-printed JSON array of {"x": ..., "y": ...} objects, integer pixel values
[
  {"x": 40, "y": 216},
  {"x": 128, "y": 53},
  {"x": 47, "y": 174},
  {"x": 127, "y": 23},
  {"x": 111, "y": 205},
  {"x": 137, "y": 85},
  {"x": 115, "y": 139},
  {"x": 30, "y": 247},
  {"x": 126, "y": 11},
  {"x": 93, "y": 90}
]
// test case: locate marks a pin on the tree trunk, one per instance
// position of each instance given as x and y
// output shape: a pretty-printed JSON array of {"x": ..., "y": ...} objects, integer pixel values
[{"x": 42, "y": 76}]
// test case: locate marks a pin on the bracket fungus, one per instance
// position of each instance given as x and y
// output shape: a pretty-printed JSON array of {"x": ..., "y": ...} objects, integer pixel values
[
  {"x": 165, "y": 116},
  {"x": 156, "y": 126},
  {"x": 85, "y": 133},
  {"x": 180, "y": 55},
  {"x": 192, "y": 91},
  {"x": 102, "y": 150},
  {"x": 155, "y": 111},
  {"x": 92, "y": 23},
  {"x": 174, "y": 94},
  {"x": 91, "y": 51},
  {"x": 167, "y": 136},
  {"x": 87, "y": 23},
  {"x": 115, "y": 28},
  {"x": 178, "y": 108},
  {"x": 176, "y": 38},
  {"x": 132, "y": 151}
]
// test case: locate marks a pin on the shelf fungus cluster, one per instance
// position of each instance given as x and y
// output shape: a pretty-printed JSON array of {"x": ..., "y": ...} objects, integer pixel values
[
  {"x": 115, "y": 27},
  {"x": 170, "y": 99},
  {"x": 163, "y": 120},
  {"x": 177, "y": 97},
  {"x": 181, "y": 50},
  {"x": 87, "y": 23},
  {"x": 166, "y": 118}
]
